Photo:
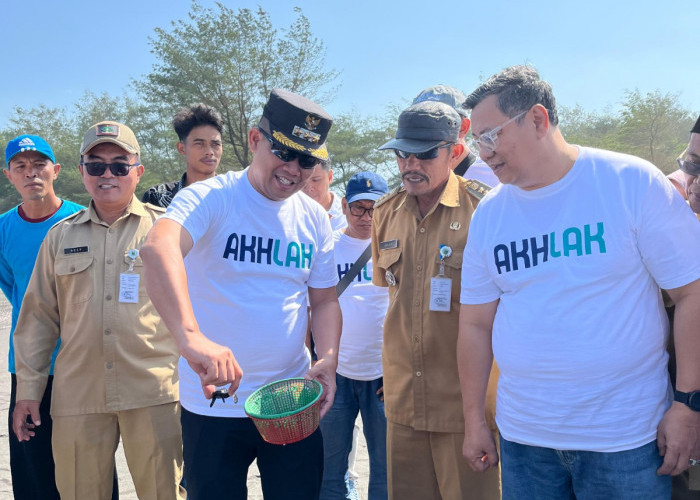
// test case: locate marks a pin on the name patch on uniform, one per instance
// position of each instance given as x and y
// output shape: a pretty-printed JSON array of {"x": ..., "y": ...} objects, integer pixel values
[
  {"x": 68, "y": 251},
  {"x": 385, "y": 245}
]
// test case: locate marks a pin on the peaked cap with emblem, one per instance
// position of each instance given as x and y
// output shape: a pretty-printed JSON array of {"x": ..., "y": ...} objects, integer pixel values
[
  {"x": 297, "y": 123},
  {"x": 108, "y": 131}
]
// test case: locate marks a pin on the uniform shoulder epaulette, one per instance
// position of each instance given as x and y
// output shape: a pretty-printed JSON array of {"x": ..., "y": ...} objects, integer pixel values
[
  {"x": 398, "y": 189},
  {"x": 477, "y": 188},
  {"x": 69, "y": 218}
]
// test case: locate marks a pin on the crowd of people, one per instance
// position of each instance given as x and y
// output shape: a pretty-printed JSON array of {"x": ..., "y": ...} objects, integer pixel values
[{"x": 517, "y": 322}]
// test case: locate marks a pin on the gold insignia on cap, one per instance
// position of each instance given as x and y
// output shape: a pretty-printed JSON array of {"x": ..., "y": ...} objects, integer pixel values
[
  {"x": 312, "y": 121},
  {"x": 282, "y": 139},
  {"x": 369, "y": 183},
  {"x": 107, "y": 129},
  {"x": 455, "y": 225},
  {"x": 307, "y": 135}
]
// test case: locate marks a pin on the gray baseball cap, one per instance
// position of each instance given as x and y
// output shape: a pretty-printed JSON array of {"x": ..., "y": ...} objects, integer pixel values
[
  {"x": 424, "y": 126},
  {"x": 443, "y": 93}
]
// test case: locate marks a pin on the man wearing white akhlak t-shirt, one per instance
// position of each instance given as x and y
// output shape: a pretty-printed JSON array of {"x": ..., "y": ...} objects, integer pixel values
[
  {"x": 560, "y": 281},
  {"x": 231, "y": 267},
  {"x": 359, "y": 374}
]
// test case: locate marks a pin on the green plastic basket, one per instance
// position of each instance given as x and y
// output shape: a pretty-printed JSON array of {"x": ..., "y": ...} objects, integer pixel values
[{"x": 285, "y": 411}]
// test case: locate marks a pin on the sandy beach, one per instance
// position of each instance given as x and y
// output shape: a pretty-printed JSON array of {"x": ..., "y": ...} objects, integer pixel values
[{"x": 126, "y": 487}]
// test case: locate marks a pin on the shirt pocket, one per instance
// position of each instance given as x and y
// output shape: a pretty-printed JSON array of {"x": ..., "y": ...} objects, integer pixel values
[
  {"x": 388, "y": 260},
  {"x": 74, "y": 278}
]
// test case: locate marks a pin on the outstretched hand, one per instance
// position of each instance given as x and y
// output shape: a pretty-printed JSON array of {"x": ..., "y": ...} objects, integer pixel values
[{"x": 215, "y": 364}]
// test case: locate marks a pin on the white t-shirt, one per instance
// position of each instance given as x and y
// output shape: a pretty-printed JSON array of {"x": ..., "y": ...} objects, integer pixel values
[
  {"x": 364, "y": 306},
  {"x": 580, "y": 330},
  {"x": 248, "y": 275}
]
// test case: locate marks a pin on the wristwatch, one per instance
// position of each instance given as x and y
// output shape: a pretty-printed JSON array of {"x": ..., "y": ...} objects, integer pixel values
[{"x": 690, "y": 399}]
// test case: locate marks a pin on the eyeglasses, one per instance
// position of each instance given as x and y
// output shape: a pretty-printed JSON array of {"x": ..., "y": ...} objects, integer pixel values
[
  {"x": 689, "y": 167},
  {"x": 489, "y": 140},
  {"x": 430, "y": 154},
  {"x": 97, "y": 168},
  {"x": 358, "y": 211},
  {"x": 287, "y": 155}
]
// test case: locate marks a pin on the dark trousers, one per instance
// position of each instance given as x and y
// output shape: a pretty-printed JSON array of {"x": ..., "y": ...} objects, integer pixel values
[
  {"x": 31, "y": 462},
  {"x": 218, "y": 452}
]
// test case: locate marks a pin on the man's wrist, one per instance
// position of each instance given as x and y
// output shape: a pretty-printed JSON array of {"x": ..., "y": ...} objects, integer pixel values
[{"x": 689, "y": 399}]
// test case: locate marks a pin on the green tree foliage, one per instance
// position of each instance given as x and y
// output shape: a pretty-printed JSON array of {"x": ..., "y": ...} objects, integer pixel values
[
  {"x": 653, "y": 126},
  {"x": 231, "y": 60},
  {"x": 64, "y": 129},
  {"x": 353, "y": 143}
]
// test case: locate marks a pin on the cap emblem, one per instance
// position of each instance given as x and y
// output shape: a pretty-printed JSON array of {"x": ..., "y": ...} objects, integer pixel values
[
  {"x": 26, "y": 142},
  {"x": 312, "y": 121},
  {"x": 106, "y": 129}
]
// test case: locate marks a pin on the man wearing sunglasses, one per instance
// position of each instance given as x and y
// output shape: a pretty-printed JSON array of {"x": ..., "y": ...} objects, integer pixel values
[
  {"x": 418, "y": 233},
  {"x": 115, "y": 374},
  {"x": 198, "y": 128},
  {"x": 231, "y": 267},
  {"x": 687, "y": 178},
  {"x": 467, "y": 164},
  {"x": 560, "y": 281},
  {"x": 31, "y": 169}
]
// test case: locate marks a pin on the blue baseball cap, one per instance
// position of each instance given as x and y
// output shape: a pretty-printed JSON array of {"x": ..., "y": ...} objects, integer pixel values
[
  {"x": 26, "y": 142},
  {"x": 365, "y": 186}
]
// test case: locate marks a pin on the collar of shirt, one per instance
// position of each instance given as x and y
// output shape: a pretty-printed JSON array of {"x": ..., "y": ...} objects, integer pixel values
[{"x": 90, "y": 214}]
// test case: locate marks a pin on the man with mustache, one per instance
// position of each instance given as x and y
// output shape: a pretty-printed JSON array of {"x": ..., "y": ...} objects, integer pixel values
[
  {"x": 418, "y": 236},
  {"x": 116, "y": 370}
]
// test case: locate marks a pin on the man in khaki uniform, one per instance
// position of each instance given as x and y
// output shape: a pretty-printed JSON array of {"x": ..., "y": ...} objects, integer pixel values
[
  {"x": 418, "y": 236},
  {"x": 115, "y": 372}
]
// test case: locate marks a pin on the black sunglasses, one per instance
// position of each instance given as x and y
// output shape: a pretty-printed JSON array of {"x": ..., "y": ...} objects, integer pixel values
[
  {"x": 689, "y": 167},
  {"x": 97, "y": 168},
  {"x": 287, "y": 155},
  {"x": 430, "y": 154}
]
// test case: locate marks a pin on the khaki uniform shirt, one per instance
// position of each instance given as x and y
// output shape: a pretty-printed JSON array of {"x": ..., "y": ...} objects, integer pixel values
[
  {"x": 421, "y": 381},
  {"x": 114, "y": 355}
]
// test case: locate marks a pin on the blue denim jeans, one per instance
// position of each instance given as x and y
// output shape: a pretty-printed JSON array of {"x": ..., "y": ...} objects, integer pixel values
[
  {"x": 351, "y": 397},
  {"x": 544, "y": 473}
]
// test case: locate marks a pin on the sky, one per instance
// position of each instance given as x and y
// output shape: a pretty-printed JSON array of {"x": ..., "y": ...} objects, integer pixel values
[{"x": 386, "y": 50}]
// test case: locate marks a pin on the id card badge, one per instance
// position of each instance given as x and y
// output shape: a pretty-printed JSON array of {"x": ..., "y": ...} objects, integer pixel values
[
  {"x": 129, "y": 281},
  {"x": 440, "y": 293},
  {"x": 129, "y": 287},
  {"x": 441, "y": 285}
]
